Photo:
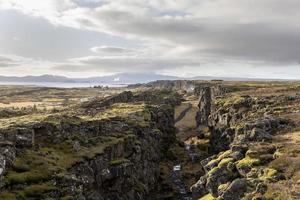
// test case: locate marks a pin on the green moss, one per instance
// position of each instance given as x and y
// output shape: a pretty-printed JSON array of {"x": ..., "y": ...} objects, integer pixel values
[
  {"x": 38, "y": 190},
  {"x": 252, "y": 154},
  {"x": 225, "y": 161},
  {"x": 222, "y": 159},
  {"x": 7, "y": 196},
  {"x": 271, "y": 174},
  {"x": 67, "y": 198},
  {"x": 221, "y": 156},
  {"x": 224, "y": 154},
  {"x": 213, "y": 170},
  {"x": 27, "y": 177},
  {"x": 57, "y": 119},
  {"x": 207, "y": 197},
  {"x": 118, "y": 161},
  {"x": 223, "y": 187},
  {"x": 45, "y": 162},
  {"x": 230, "y": 100},
  {"x": 213, "y": 162},
  {"x": 248, "y": 162},
  {"x": 125, "y": 110}
]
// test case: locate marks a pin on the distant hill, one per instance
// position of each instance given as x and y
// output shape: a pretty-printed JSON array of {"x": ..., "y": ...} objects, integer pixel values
[
  {"x": 122, "y": 78},
  {"x": 127, "y": 78},
  {"x": 42, "y": 78}
]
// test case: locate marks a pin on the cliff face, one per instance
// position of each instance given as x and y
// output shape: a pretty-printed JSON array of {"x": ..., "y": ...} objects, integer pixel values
[
  {"x": 124, "y": 146},
  {"x": 241, "y": 131},
  {"x": 112, "y": 154},
  {"x": 128, "y": 169},
  {"x": 175, "y": 85}
]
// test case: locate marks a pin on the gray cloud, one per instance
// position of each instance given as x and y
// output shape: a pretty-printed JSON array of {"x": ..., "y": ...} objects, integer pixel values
[
  {"x": 128, "y": 64},
  {"x": 156, "y": 35},
  {"x": 260, "y": 41},
  {"x": 9, "y": 61},
  {"x": 111, "y": 50}
]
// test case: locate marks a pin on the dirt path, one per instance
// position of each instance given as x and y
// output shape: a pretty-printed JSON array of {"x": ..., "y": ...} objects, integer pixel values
[
  {"x": 185, "y": 172},
  {"x": 185, "y": 120},
  {"x": 183, "y": 113}
]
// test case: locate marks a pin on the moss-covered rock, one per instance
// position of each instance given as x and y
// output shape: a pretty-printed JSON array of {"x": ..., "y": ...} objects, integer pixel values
[
  {"x": 272, "y": 175},
  {"x": 207, "y": 197},
  {"x": 244, "y": 166},
  {"x": 225, "y": 161},
  {"x": 222, "y": 188}
]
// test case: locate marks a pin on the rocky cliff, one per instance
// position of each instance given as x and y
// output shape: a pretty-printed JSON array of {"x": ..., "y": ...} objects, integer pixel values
[
  {"x": 227, "y": 145},
  {"x": 241, "y": 129},
  {"x": 112, "y": 154}
]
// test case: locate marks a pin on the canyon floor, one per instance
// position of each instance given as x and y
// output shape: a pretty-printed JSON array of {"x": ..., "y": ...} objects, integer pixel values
[{"x": 185, "y": 140}]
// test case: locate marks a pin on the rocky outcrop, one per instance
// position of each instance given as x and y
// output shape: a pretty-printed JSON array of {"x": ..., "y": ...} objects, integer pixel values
[
  {"x": 87, "y": 157},
  {"x": 238, "y": 125},
  {"x": 177, "y": 85},
  {"x": 216, "y": 89},
  {"x": 148, "y": 96},
  {"x": 205, "y": 106},
  {"x": 128, "y": 170},
  {"x": 123, "y": 97}
]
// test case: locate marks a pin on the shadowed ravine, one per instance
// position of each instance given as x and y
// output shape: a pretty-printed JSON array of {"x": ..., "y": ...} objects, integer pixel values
[
  {"x": 176, "y": 174},
  {"x": 225, "y": 141}
]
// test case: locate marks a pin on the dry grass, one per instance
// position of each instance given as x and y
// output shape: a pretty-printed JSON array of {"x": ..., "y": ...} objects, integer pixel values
[
  {"x": 289, "y": 164},
  {"x": 49, "y": 98},
  {"x": 180, "y": 108},
  {"x": 188, "y": 121}
]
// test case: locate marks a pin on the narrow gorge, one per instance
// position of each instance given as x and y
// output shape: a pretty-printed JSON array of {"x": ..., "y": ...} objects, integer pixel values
[{"x": 171, "y": 140}]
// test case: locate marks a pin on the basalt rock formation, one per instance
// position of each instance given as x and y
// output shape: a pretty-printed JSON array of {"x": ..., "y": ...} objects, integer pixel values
[
  {"x": 241, "y": 132},
  {"x": 112, "y": 154},
  {"x": 126, "y": 146}
]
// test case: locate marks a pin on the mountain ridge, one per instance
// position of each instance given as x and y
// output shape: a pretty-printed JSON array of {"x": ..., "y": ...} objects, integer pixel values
[{"x": 123, "y": 78}]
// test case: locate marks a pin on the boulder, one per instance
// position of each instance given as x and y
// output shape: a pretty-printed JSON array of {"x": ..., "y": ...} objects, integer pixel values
[
  {"x": 258, "y": 134},
  {"x": 235, "y": 191},
  {"x": 199, "y": 188},
  {"x": 217, "y": 176},
  {"x": 261, "y": 188}
]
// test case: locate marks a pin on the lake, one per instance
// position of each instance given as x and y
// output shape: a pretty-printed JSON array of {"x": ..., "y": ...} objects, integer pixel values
[{"x": 61, "y": 84}]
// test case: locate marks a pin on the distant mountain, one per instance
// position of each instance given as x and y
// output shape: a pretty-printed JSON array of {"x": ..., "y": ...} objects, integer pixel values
[
  {"x": 233, "y": 78},
  {"x": 127, "y": 78},
  {"x": 42, "y": 78},
  {"x": 122, "y": 78}
]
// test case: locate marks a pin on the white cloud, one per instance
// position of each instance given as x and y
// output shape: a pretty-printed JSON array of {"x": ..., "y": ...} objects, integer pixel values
[
  {"x": 111, "y": 50},
  {"x": 19, "y": 66},
  {"x": 178, "y": 34}
]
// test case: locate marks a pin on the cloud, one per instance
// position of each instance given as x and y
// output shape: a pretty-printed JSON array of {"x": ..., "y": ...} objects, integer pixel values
[
  {"x": 18, "y": 62},
  {"x": 7, "y": 62},
  {"x": 170, "y": 35},
  {"x": 13, "y": 61},
  {"x": 221, "y": 28},
  {"x": 111, "y": 50}
]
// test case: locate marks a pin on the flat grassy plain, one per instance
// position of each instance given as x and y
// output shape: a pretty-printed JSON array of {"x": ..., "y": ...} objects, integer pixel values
[{"x": 47, "y": 98}]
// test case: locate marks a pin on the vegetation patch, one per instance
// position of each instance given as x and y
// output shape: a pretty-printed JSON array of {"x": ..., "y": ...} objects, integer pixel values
[
  {"x": 118, "y": 161},
  {"x": 248, "y": 162},
  {"x": 207, "y": 197}
]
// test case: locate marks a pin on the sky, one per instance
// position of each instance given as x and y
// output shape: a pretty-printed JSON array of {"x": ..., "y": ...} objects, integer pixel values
[{"x": 82, "y": 38}]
